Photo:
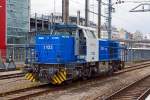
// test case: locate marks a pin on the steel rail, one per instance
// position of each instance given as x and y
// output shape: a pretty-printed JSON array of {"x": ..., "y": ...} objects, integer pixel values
[
  {"x": 125, "y": 90},
  {"x": 15, "y": 75},
  {"x": 144, "y": 95},
  {"x": 13, "y": 93},
  {"x": 131, "y": 69}
]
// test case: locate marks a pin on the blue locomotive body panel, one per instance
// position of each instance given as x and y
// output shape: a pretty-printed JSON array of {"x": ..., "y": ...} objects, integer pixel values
[
  {"x": 115, "y": 50},
  {"x": 59, "y": 49},
  {"x": 55, "y": 49},
  {"x": 109, "y": 50},
  {"x": 104, "y": 50}
]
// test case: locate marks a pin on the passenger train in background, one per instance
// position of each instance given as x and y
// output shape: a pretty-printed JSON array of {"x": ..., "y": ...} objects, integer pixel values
[{"x": 71, "y": 52}]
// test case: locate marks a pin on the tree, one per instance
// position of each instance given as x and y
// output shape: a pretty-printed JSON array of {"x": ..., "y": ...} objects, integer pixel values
[{"x": 138, "y": 35}]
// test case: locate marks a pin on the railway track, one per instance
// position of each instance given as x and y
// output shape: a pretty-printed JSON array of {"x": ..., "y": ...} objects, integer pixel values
[
  {"x": 133, "y": 67},
  {"x": 138, "y": 90},
  {"x": 4, "y": 70},
  {"x": 13, "y": 75},
  {"x": 25, "y": 93},
  {"x": 137, "y": 64},
  {"x": 42, "y": 89}
]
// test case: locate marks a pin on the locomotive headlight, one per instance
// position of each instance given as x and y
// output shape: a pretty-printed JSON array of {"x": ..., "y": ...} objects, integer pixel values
[
  {"x": 32, "y": 54},
  {"x": 29, "y": 60}
]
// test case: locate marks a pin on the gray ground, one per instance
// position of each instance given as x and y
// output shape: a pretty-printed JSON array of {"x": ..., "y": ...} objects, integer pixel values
[{"x": 97, "y": 88}]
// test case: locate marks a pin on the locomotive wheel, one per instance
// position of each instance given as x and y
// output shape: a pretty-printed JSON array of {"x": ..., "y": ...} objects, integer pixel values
[
  {"x": 86, "y": 74},
  {"x": 116, "y": 68},
  {"x": 68, "y": 81},
  {"x": 121, "y": 66},
  {"x": 84, "y": 78},
  {"x": 111, "y": 71}
]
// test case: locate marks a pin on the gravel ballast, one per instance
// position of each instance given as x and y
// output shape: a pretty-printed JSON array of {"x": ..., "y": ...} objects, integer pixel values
[{"x": 94, "y": 89}]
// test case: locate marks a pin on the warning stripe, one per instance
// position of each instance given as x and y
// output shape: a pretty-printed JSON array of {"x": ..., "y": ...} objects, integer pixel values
[
  {"x": 56, "y": 78},
  {"x": 34, "y": 80},
  {"x": 26, "y": 75},
  {"x": 59, "y": 76},
  {"x": 62, "y": 75},
  {"x": 53, "y": 82},
  {"x": 29, "y": 76},
  {"x": 65, "y": 73}
]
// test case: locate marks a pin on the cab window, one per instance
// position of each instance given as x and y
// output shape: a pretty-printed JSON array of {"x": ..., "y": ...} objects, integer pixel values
[{"x": 90, "y": 34}]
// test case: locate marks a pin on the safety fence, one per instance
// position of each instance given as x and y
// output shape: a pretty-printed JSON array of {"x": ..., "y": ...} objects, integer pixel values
[
  {"x": 6, "y": 63},
  {"x": 137, "y": 54}
]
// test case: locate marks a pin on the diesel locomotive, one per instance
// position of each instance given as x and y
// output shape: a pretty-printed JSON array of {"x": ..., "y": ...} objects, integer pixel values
[{"x": 71, "y": 52}]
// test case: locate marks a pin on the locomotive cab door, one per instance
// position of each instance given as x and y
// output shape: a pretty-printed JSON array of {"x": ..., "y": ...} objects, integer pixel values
[
  {"x": 92, "y": 46},
  {"x": 80, "y": 45}
]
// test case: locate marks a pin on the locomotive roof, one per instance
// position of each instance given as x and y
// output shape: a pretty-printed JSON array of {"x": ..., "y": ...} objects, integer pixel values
[
  {"x": 70, "y": 26},
  {"x": 64, "y": 26}
]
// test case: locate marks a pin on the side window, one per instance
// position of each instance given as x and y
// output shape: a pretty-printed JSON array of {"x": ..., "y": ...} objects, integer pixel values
[
  {"x": 81, "y": 34},
  {"x": 93, "y": 34},
  {"x": 82, "y": 43},
  {"x": 90, "y": 34}
]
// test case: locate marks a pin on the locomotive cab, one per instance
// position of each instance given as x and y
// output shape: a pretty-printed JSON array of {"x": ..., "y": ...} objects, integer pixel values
[{"x": 86, "y": 44}]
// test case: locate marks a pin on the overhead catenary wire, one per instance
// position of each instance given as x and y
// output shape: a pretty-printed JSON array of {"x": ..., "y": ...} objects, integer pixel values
[
  {"x": 76, "y": 2},
  {"x": 92, "y": 10},
  {"x": 138, "y": 1}
]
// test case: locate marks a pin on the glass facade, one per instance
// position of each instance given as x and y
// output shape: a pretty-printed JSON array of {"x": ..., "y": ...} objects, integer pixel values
[
  {"x": 17, "y": 21},
  {"x": 17, "y": 28}
]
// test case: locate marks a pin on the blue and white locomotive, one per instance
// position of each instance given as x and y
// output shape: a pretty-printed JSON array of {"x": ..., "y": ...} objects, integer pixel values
[{"x": 71, "y": 52}]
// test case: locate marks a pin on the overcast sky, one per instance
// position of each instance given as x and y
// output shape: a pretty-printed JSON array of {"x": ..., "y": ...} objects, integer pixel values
[{"x": 122, "y": 18}]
